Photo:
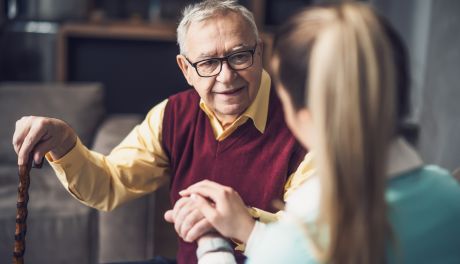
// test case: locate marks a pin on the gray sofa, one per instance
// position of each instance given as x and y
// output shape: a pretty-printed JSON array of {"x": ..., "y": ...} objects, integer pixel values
[{"x": 60, "y": 229}]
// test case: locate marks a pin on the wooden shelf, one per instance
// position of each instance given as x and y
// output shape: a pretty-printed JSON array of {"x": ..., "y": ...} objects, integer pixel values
[
  {"x": 109, "y": 30},
  {"x": 121, "y": 30}
]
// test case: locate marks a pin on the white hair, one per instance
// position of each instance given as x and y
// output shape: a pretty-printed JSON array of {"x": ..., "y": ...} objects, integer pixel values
[{"x": 207, "y": 9}]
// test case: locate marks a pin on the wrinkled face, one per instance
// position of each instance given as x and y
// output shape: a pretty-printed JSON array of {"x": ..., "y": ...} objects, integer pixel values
[{"x": 229, "y": 93}]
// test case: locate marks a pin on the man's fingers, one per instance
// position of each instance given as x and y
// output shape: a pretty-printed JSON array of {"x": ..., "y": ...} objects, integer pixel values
[
  {"x": 21, "y": 130},
  {"x": 169, "y": 216},
  {"x": 206, "y": 208},
  {"x": 189, "y": 222},
  {"x": 181, "y": 215},
  {"x": 199, "y": 229},
  {"x": 40, "y": 150},
  {"x": 32, "y": 138},
  {"x": 178, "y": 206}
]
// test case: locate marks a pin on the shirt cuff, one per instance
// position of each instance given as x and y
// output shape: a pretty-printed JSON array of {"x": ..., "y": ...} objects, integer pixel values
[
  {"x": 263, "y": 216},
  {"x": 256, "y": 236},
  {"x": 217, "y": 257},
  {"x": 69, "y": 165},
  {"x": 213, "y": 244},
  {"x": 258, "y": 215}
]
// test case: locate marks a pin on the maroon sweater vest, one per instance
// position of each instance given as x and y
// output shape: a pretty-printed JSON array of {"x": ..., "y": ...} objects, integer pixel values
[{"x": 256, "y": 165}]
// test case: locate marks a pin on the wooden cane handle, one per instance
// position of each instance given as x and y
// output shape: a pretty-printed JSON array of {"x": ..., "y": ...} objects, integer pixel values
[{"x": 21, "y": 214}]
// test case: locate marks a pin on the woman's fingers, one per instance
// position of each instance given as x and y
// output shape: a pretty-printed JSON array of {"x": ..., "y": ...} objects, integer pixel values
[
  {"x": 211, "y": 190},
  {"x": 222, "y": 207},
  {"x": 205, "y": 184}
]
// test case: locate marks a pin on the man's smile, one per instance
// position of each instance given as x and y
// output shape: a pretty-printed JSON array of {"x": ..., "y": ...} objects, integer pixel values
[{"x": 234, "y": 91}]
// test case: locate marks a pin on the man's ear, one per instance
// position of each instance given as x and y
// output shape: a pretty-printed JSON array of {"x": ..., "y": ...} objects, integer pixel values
[
  {"x": 184, "y": 67},
  {"x": 261, "y": 46},
  {"x": 260, "y": 51}
]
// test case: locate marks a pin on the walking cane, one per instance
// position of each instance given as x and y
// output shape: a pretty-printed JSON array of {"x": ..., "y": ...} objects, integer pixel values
[{"x": 21, "y": 213}]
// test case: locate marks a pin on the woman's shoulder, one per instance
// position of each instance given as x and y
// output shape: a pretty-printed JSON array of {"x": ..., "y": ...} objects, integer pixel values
[
  {"x": 433, "y": 170},
  {"x": 283, "y": 242},
  {"x": 426, "y": 176},
  {"x": 425, "y": 185},
  {"x": 304, "y": 202},
  {"x": 424, "y": 210}
]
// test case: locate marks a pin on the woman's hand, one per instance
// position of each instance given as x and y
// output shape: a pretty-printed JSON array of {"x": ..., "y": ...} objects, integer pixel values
[{"x": 223, "y": 208}]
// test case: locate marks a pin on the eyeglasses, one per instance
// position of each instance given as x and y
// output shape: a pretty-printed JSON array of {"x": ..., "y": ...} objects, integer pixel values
[{"x": 239, "y": 60}]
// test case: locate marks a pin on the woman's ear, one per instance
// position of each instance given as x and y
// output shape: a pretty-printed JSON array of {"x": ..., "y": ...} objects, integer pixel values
[
  {"x": 304, "y": 115},
  {"x": 305, "y": 130}
]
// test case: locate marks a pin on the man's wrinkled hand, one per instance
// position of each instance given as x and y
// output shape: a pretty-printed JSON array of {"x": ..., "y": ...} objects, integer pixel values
[
  {"x": 37, "y": 136},
  {"x": 188, "y": 221},
  {"x": 223, "y": 208}
]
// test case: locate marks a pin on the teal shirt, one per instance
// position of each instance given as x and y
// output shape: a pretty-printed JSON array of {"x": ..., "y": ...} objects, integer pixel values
[{"x": 424, "y": 211}]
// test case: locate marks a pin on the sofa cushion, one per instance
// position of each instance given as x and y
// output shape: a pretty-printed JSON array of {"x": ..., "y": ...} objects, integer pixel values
[{"x": 80, "y": 105}]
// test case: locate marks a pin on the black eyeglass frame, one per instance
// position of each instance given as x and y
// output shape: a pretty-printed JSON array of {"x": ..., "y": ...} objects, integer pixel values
[{"x": 222, "y": 59}]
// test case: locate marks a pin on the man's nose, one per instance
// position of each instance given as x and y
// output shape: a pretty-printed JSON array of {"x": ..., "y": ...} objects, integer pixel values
[{"x": 227, "y": 74}]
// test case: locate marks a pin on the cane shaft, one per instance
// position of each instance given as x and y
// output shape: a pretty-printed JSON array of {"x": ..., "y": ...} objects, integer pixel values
[{"x": 21, "y": 214}]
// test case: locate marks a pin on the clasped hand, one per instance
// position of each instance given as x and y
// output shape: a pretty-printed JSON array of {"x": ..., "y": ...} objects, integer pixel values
[{"x": 207, "y": 206}]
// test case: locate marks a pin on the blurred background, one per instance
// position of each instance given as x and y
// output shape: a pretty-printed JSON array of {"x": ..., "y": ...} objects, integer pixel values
[{"x": 129, "y": 48}]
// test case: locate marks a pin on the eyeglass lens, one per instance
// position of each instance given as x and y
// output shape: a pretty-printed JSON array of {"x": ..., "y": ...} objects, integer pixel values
[{"x": 237, "y": 61}]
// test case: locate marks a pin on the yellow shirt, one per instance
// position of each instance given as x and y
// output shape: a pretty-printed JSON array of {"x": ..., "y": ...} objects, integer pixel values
[{"x": 139, "y": 165}]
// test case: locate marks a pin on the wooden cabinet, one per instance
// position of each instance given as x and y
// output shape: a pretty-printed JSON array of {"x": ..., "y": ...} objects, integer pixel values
[
  {"x": 136, "y": 63},
  {"x": 108, "y": 31}
]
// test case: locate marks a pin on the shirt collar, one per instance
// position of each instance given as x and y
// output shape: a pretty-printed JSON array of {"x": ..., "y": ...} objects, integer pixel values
[
  {"x": 402, "y": 158},
  {"x": 258, "y": 110}
]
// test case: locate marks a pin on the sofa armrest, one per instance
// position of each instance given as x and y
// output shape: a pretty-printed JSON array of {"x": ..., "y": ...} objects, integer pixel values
[
  {"x": 122, "y": 233},
  {"x": 135, "y": 230}
]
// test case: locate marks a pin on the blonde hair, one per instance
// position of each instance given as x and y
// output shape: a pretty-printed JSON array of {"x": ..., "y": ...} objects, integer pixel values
[
  {"x": 208, "y": 9},
  {"x": 350, "y": 82}
]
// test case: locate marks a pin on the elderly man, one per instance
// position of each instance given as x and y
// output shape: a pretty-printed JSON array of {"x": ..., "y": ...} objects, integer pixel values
[{"x": 229, "y": 129}]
